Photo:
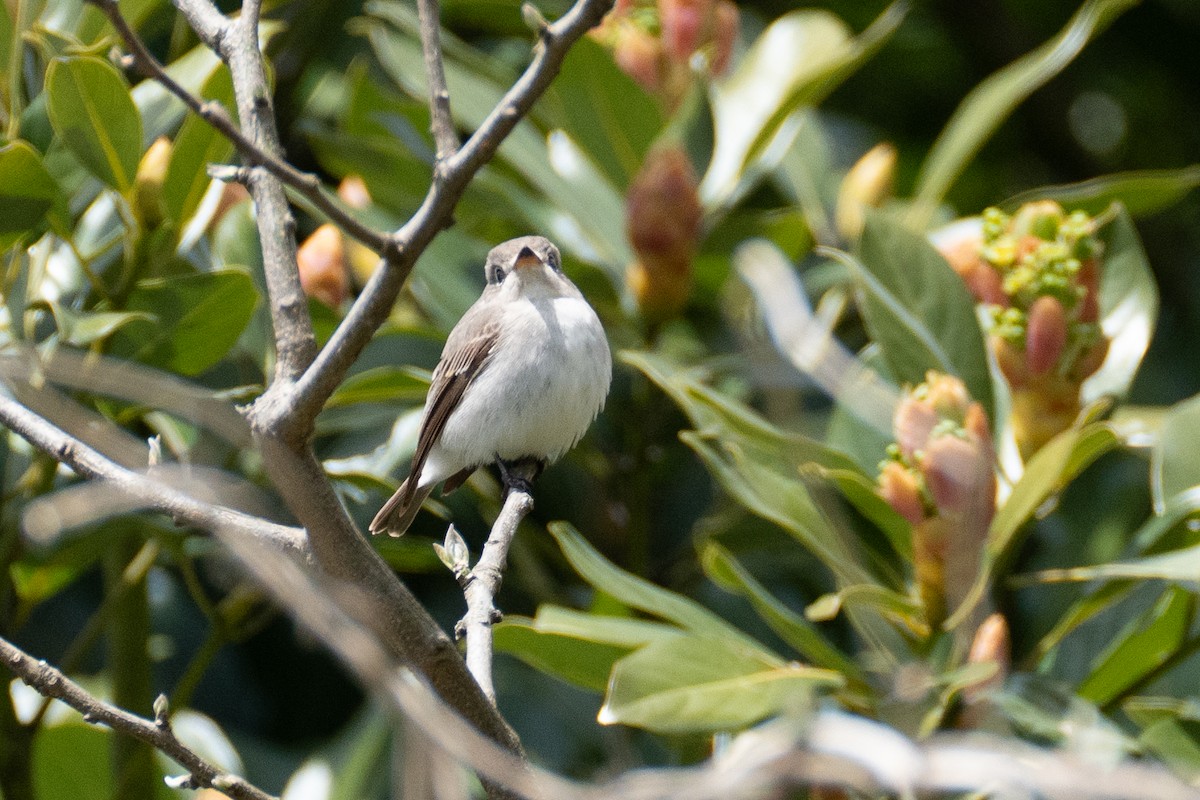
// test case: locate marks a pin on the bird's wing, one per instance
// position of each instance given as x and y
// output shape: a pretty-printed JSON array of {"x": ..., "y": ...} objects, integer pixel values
[{"x": 453, "y": 374}]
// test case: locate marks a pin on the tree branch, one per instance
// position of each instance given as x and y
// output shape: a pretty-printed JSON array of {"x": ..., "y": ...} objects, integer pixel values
[
  {"x": 306, "y": 184},
  {"x": 49, "y": 682},
  {"x": 481, "y": 584},
  {"x": 442, "y": 124},
  {"x": 450, "y": 181},
  {"x": 147, "y": 491}
]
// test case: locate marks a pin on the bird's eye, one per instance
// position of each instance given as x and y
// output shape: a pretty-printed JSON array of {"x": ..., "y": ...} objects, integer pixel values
[
  {"x": 498, "y": 275},
  {"x": 554, "y": 261}
]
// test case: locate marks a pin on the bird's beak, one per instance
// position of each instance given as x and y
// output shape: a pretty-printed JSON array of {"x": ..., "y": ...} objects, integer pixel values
[{"x": 527, "y": 258}]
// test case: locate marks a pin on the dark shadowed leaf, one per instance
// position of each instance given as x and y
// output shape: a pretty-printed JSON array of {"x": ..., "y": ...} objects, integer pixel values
[
  {"x": 990, "y": 103},
  {"x": 1141, "y": 647},
  {"x": 27, "y": 193}
]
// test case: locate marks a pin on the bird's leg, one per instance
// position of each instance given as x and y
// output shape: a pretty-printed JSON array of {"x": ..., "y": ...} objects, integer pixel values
[{"x": 519, "y": 474}]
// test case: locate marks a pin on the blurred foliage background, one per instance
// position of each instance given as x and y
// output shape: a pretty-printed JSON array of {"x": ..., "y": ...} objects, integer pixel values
[{"x": 650, "y": 178}]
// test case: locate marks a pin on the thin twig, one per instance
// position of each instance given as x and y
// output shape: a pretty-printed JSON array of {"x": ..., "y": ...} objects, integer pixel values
[
  {"x": 442, "y": 124},
  {"x": 481, "y": 584},
  {"x": 374, "y": 304},
  {"x": 305, "y": 183},
  {"x": 149, "y": 492},
  {"x": 51, "y": 683}
]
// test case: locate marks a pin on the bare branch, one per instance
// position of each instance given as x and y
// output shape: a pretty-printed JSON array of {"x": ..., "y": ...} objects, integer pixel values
[
  {"x": 149, "y": 492},
  {"x": 482, "y": 583},
  {"x": 374, "y": 304},
  {"x": 203, "y": 15},
  {"x": 51, "y": 683},
  {"x": 444, "y": 136}
]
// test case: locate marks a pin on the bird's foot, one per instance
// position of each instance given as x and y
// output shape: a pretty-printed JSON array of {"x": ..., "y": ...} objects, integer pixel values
[{"x": 519, "y": 475}]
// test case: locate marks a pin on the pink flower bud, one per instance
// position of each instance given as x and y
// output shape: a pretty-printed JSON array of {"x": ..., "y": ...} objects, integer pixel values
[
  {"x": 684, "y": 24},
  {"x": 1046, "y": 334}
]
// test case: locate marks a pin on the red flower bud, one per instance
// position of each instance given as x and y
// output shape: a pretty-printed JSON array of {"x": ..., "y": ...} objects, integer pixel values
[
  {"x": 1046, "y": 334},
  {"x": 662, "y": 220},
  {"x": 683, "y": 26}
]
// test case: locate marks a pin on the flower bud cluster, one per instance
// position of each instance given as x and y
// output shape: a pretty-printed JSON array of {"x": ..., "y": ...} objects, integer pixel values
[
  {"x": 663, "y": 222},
  {"x": 655, "y": 41},
  {"x": 940, "y": 476},
  {"x": 1037, "y": 273}
]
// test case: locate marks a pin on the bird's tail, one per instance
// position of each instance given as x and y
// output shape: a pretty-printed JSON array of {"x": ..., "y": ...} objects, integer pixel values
[{"x": 398, "y": 512}]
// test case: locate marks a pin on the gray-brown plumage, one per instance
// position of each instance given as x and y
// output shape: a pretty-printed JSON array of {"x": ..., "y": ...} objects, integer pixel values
[{"x": 522, "y": 376}]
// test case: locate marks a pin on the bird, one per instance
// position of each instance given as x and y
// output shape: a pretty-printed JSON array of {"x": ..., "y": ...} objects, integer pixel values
[{"x": 522, "y": 376}]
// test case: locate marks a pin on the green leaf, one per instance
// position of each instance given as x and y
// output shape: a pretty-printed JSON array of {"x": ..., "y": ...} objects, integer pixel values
[
  {"x": 1177, "y": 743},
  {"x": 1144, "y": 645},
  {"x": 400, "y": 385},
  {"x": 694, "y": 683},
  {"x": 724, "y": 570},
  {"x": 199, "y": 319},
  {"x": 1175, "y": 459},
  {"x": 81, "y": 329},
  {"x": 576, "y": 647},
  {"x": 990, "y": 103},
  {"x": 1142, "y": 192},
  {"x": 641, "y": 594},
  {"x": 921, "y": 281},
  {"x": 779, "y": 497},
  {"x": 717, "y": 414},
  {"x": 608, "y": 115},
  {"x": 1181, "y": 565},
  {"x": 197, "y": 145},
  {"x": 92, "y": 112},
  {"x": 863, "y": 494},
  {"x": 798, "y": 60},
  {"x": 1128, "y": 308},
  {"x": 86, "y": 749},
  {"x": 27, "y": 193}
]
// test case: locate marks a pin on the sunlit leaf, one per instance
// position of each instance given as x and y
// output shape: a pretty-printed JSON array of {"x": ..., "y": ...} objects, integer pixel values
[
  {"x": 402, "y": 385},
  {"x": 1175, "y": 460},
  {"x": 720, "y": 565},
  {"x": 796, "y": 61},
  {"x": 93, "y": 113},
  {"x": 641, "y": 594},
  {"x": 1142, "y": 192},
  {"x": 1128, "y": 308},
  {"x": 196, "y": 146},
  {"x": 695, "y": 683},
  {"x": 990, "y": 103},
  {"x": 609, "y": 116}
]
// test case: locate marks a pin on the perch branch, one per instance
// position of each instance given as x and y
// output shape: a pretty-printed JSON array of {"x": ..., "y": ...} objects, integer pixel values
[
  {"x": 89, "y": 463},
  {"x": 51, "y": 683},
  {"x": 481, "y": 584},
  {"x": 442, "y": 124},
  {"x": 304, "y": 183}
]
